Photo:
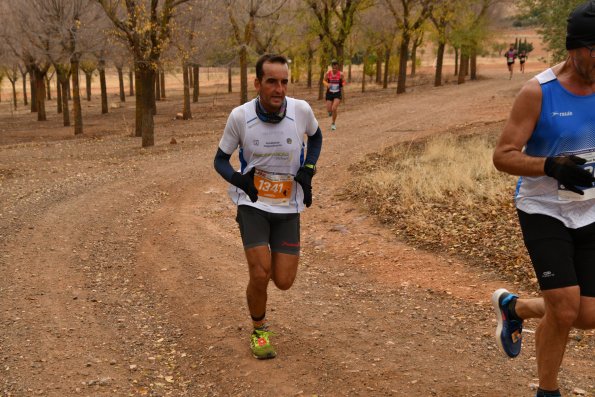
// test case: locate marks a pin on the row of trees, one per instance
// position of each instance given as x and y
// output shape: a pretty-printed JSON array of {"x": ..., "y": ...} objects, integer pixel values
[{"x": 151, "y": 36}]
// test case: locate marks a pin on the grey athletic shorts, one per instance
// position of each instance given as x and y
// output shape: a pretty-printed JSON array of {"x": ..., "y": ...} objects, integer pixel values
[{"x": 281, "y": 232}]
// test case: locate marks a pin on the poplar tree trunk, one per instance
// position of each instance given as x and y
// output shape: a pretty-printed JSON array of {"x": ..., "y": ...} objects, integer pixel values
[
  {"x": 243, "y": 75},
  {"x": 59, "y": 98},
  {"x": 63, "y": 81},
  {"x": 162, "y": 80},
  {"x": 413, "y": 59},
  {"x": 101, "y": 68},
  {"x": 462, "y": 68},
  {"x": 33, "y": 89},
  {"x": 131, "y": 82},
  {"x": 121, "y": 82},
  {"x": 310, "y": 62},
  {"x": 40, "y": 94},
  {"x": 402, "y": 79},
  {"x": 48, "y": 89},
  {"x": 157, "y": 87},
  {"x": 378, "y": 68},
  {"x": 387, "y": 53},
  {"x": 473, "y": 64},
  {"x": 229, "y": 85},
  {"x": 195, "y": 83},
  {"x": 439, "y": 62},
  {"x": 88, "y": 77},
  {"x": 76, "y": 96},
  {"x": 320, "y": 85},
  {"x": 14, "y": 94},
  {"x": 364, "y": 63},
  {"x": 456, "y": 61},
  {"x": 25, "y": 101},
  {"x": 187, "y": 112},
  {"x": 147, "y": 105}
]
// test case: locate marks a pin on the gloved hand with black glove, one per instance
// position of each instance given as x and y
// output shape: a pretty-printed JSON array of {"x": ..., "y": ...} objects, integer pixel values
[
  {"x": 567, "y": 170},
  {"x": 246, "y": 183},
  {"x": 304, "y": 178}
]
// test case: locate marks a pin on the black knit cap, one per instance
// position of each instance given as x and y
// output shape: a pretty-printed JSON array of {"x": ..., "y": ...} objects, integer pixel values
[{"x": 581, "y": 26}]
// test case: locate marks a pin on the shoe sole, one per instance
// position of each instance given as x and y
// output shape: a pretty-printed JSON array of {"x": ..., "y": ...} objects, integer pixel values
[
  {"x": 267, "y": 357},
  {"x": 496, "y": 304}
]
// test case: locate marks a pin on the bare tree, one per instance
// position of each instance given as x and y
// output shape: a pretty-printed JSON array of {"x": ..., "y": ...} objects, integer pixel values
[
  {"x": 242, "y": 17},
  {"x": 335, "y": 21},
  {"x": 145, "y": 26},
  {"x": 409, "y": 16},
  {"x": 12, "y": 74}
]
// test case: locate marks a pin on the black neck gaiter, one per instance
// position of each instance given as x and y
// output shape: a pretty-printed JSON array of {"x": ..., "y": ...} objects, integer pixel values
[{"x": 267, "y": 117}]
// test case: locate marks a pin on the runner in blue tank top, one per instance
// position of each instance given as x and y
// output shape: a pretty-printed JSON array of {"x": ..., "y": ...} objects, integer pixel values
[{"x": 549, "y": 141}]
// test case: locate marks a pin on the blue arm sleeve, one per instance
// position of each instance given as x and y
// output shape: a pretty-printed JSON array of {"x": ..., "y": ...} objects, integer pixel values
[
  {"x": 314, "y": 147},
  {"x": 222, "y": 165}
]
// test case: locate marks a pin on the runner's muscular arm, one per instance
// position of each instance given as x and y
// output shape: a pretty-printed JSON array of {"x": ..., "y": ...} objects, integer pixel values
[
  {"x": 508, "y": 155},
  {"x": 222, "y": 165}
]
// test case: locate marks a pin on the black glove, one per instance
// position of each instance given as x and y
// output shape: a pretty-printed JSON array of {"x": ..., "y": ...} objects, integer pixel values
[
  {"x": 246, "y": 183},
  {"x": 567, "y": 171},
  {"x": 304, "y": 178}
]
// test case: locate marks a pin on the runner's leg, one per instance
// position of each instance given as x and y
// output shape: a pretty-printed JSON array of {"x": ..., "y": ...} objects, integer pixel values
[
  {"x": 329, "y": 107},
  {"x": 259, "y": 269},
  {"x": 335, "y": 108},
  {"x": 530, "y": 308},
  {"x": 284, "y": 269},
  {"x": 561, "y": 312},
  {"x": 586, "y": 315}
]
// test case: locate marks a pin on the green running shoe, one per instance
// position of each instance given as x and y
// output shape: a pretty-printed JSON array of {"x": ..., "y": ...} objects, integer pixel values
[{"x": 261, "y": 345}]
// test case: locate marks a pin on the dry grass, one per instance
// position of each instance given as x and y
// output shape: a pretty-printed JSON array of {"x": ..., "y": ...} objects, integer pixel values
[
  {"x": 448, "y": 166},
  {"x": 444, "y": 194}
]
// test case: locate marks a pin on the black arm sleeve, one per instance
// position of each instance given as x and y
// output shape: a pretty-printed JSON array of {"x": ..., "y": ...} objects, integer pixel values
[
  {"x": 222, "y": 165},
  {"x": 314, "y": 147}
]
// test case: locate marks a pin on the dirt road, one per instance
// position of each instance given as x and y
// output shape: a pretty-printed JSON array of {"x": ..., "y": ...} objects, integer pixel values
[{"x": 122, "y": 271}]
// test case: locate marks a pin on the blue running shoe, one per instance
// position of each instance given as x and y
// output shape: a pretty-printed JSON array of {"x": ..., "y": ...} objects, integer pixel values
[{"x": 509, "y": 332}]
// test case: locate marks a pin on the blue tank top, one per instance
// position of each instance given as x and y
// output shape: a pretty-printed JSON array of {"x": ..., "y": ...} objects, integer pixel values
[{"x": 566, "y": 125}]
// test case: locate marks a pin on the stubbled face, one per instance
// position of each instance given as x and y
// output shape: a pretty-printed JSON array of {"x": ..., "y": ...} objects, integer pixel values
[
  {"x": 335, "y": 67},
  {"x": 584, "y": 64},
  {"x": 272, "y": 88}
]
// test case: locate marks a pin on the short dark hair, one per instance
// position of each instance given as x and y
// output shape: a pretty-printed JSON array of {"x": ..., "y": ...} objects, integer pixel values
[{"x": 270, "y": 58}]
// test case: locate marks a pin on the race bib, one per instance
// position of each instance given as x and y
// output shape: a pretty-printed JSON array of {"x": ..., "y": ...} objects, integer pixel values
[
  {"x": 273, "y": 188},
  {"x": 510, "y": 59},
  {"x": 567, "y": 195},
  {"x": 334, "y": 88}
]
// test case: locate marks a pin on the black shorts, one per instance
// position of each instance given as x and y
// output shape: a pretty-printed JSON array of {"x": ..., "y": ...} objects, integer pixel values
[
  {"x": 281, "y": 232},
  {"x": 330, "y": 96},
  {"x": 562, "y": 257}
]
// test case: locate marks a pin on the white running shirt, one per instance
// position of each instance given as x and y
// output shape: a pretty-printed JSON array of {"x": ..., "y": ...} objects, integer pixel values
[{"x": 275, "y": 150}]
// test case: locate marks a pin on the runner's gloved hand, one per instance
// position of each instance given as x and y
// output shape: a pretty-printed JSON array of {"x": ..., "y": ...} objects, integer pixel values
[
  {"x": 246, "y": 183},
  {"x": 567, "y": 171},
  {"x": 304, "y": 178}
]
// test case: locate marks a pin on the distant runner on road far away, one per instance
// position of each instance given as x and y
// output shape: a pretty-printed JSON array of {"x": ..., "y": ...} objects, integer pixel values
[
  {"x": 553, "y": 118},
  {"x": 510, "y": 56},
  {"x": 334, "y": 82},
  {"x": 272, "y": 187},
  {"x": 522, "y": 59}
]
